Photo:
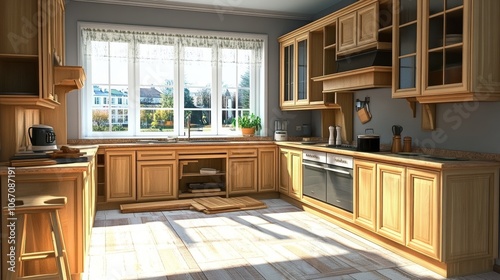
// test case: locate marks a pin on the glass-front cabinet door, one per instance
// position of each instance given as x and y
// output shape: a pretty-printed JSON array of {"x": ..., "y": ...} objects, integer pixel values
[
  {"x": 406, "y": 48},
  {"x": 294, "y": 71},
  {"x": 445, "y": 45},
  {"x": 302, "y": 70},
  {"x": 287, "y": 73}
]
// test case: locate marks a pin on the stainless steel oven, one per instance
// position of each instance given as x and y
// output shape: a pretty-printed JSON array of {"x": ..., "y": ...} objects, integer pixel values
[
  {"x": 314, "y": 174},
  {"x": 328, "y": 177},
  {"x": 339, "y": 183}
]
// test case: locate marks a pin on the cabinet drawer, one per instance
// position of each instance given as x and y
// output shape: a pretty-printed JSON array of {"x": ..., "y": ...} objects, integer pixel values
[
  {"x": 156, "y": 155},
  {"x": 242, "y": 153}
]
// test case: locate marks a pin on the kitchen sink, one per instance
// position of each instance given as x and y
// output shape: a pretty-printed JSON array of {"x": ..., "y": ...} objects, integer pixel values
[
  {"x": 207, "y": 141},
  {"x": 152, "y": 141}
]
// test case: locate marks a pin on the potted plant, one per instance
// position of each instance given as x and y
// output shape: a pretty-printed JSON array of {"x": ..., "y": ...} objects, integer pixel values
[{"x": 248, "y": 124}]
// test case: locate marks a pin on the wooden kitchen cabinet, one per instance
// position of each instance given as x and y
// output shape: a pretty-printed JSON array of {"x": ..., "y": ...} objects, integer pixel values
[
  {"x": 358, "y": 29},
  {"x": 76, "y": 182},
  {"x": 156, "y": 174},
  {"x": 290, "y": 180},
  {"x": 294, "y": 75},
  {"x": 156, "y": 180},
  {"x": 32, "y": 54},
  {"x": 120, "y": 168},
  {"x": 365, "y": 194},
  {"x": 443, "y": 50},
  {"x": 190, "y": 165},
  {"x": 365, "y": 27},
  {"x": 243, "y": 171},
  {"x": 310, "y": 75},
  {"x": 267, "y": 165},
  {"x": 379, "y": 199},
  {"x": 391, "y": 202},
  {"x": 469, "y": 221},
  {"x": 423, "y": 212}
]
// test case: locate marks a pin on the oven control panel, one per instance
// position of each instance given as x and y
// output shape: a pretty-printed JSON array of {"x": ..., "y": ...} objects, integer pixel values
[
  {"x": 314, "y": 156},
  {"x": 340, "y": 160}
]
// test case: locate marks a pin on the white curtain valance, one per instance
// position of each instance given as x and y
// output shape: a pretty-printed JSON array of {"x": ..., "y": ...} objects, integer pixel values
[{"x": 158, "y": 38}]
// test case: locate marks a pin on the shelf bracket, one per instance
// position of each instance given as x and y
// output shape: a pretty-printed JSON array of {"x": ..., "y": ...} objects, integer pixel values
[
  {"x": 412, "y": 102},
  {"x": 428, "y": 116}
]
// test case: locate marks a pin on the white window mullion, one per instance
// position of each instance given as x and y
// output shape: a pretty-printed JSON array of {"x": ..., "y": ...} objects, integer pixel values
[
  {"x": 180, "y": 90},
  {"x": 215, "y": 105},
  {"x": 219, "y": 105},
  {"x": 133, "y": 91}
]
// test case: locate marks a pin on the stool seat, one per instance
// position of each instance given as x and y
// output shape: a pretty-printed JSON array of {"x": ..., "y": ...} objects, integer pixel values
[
  {"x": 40, "y": 202},
  {"x": 24, "y": 207}
]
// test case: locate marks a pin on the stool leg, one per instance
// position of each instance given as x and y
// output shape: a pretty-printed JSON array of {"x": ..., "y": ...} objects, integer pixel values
[
  {"x": 20, "y": 246},
  {"x": 59, "y": 246}
]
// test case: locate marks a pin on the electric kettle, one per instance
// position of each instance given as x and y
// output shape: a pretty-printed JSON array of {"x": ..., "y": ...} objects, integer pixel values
[{"x": 42, "y": 138}]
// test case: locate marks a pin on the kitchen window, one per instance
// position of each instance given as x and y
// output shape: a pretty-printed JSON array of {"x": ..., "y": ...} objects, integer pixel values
[{"x": 157, "y": 78}]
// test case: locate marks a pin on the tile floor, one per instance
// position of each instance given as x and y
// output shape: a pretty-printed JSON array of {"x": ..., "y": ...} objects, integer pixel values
[{"x": 280, "y": 242}]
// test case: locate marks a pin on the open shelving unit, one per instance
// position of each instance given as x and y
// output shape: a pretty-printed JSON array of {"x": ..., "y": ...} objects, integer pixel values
[{"x": 189, "y": 173}]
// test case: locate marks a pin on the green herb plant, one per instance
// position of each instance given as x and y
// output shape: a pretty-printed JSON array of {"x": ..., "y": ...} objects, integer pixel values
[{"x": 248, "y": 121}]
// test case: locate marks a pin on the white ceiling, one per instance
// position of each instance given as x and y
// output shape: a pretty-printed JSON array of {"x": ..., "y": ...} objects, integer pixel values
[{"x": 293, "y": 9}]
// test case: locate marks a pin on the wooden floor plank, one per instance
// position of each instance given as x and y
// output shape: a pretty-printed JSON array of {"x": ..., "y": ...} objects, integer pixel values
[
  {"x": 279, "y": 242},
  {"x": 156, "y": 206}
]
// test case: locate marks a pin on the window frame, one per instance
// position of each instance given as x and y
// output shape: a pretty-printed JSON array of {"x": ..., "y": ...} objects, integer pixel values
[{"x": 258, "y": 104}]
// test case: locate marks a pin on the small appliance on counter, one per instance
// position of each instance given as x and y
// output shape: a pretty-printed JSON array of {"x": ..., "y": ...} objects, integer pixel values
[
  {"x": 368, "y": 142},
  {"x": 280, "y": 130},
  {"x": 42, "y": 138}
]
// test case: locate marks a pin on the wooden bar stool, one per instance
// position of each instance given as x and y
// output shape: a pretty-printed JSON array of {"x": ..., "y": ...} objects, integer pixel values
[{"x": 33, "y": 205}]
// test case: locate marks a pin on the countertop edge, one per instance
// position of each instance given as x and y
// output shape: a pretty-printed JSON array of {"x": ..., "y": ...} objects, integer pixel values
[
  {"x": 388, "y": 157},
  {"x": 90, "y": 151}
]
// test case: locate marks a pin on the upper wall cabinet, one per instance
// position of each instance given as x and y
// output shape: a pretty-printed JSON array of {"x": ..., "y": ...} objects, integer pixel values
[
  {"x": 444, "y": 51},
  {"x": 359, "y": 29},
  {"x": 294, "y": 74},
  {"x": 32, "y": 54},
  {"x": 343, "y": 51}
]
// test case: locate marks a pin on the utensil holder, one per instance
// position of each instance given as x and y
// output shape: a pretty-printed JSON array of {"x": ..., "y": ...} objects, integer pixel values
[{"x": 396, "y": 144}]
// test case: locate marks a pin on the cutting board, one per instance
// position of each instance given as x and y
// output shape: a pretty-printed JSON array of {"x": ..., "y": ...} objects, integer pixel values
[
  {"x": 32, "y": 162},
  {"x": 45, "y": 161},
  {"x": 66, "y": 155}
]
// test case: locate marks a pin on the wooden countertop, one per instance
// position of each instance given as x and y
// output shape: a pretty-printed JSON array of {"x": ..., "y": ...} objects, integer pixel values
[
  {"x": 90, "y": 151},
  {"x": 181, "y": 144},
  {"x": 429, "y": 161}
]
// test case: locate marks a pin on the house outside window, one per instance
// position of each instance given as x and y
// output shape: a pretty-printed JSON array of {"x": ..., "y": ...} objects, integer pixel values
[{"x": 157, "y": 79}]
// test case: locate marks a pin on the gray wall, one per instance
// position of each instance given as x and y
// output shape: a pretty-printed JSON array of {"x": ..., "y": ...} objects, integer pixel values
[
  {"x": 460, "y": 126},
  {"x": 273, "y": 28},
  {"x": 467, "y": 126}
]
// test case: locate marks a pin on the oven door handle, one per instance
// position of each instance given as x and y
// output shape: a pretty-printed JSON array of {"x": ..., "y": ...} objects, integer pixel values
[
  {"x": 338, "y": 171},
  {"x": 313, "y": 165}
]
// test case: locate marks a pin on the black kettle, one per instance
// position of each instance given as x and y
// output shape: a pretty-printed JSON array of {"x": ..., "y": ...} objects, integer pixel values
[{"x": 42, "y": 135}]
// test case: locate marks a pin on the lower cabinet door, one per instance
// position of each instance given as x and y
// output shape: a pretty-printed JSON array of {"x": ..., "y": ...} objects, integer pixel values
[
  {"x": 391, "y": 202},
  {"x": 267, "y": 169},
  {"x": 295, "y": 190},
  {"x": 242, "y": 175},
  {"x": 365, "y": 194},
  {"x": 284, "y": 173},
  {"x": 423, "y": 212},
  {"x": 156, "y": 180},
  {"x": 120, "y": 175}
]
